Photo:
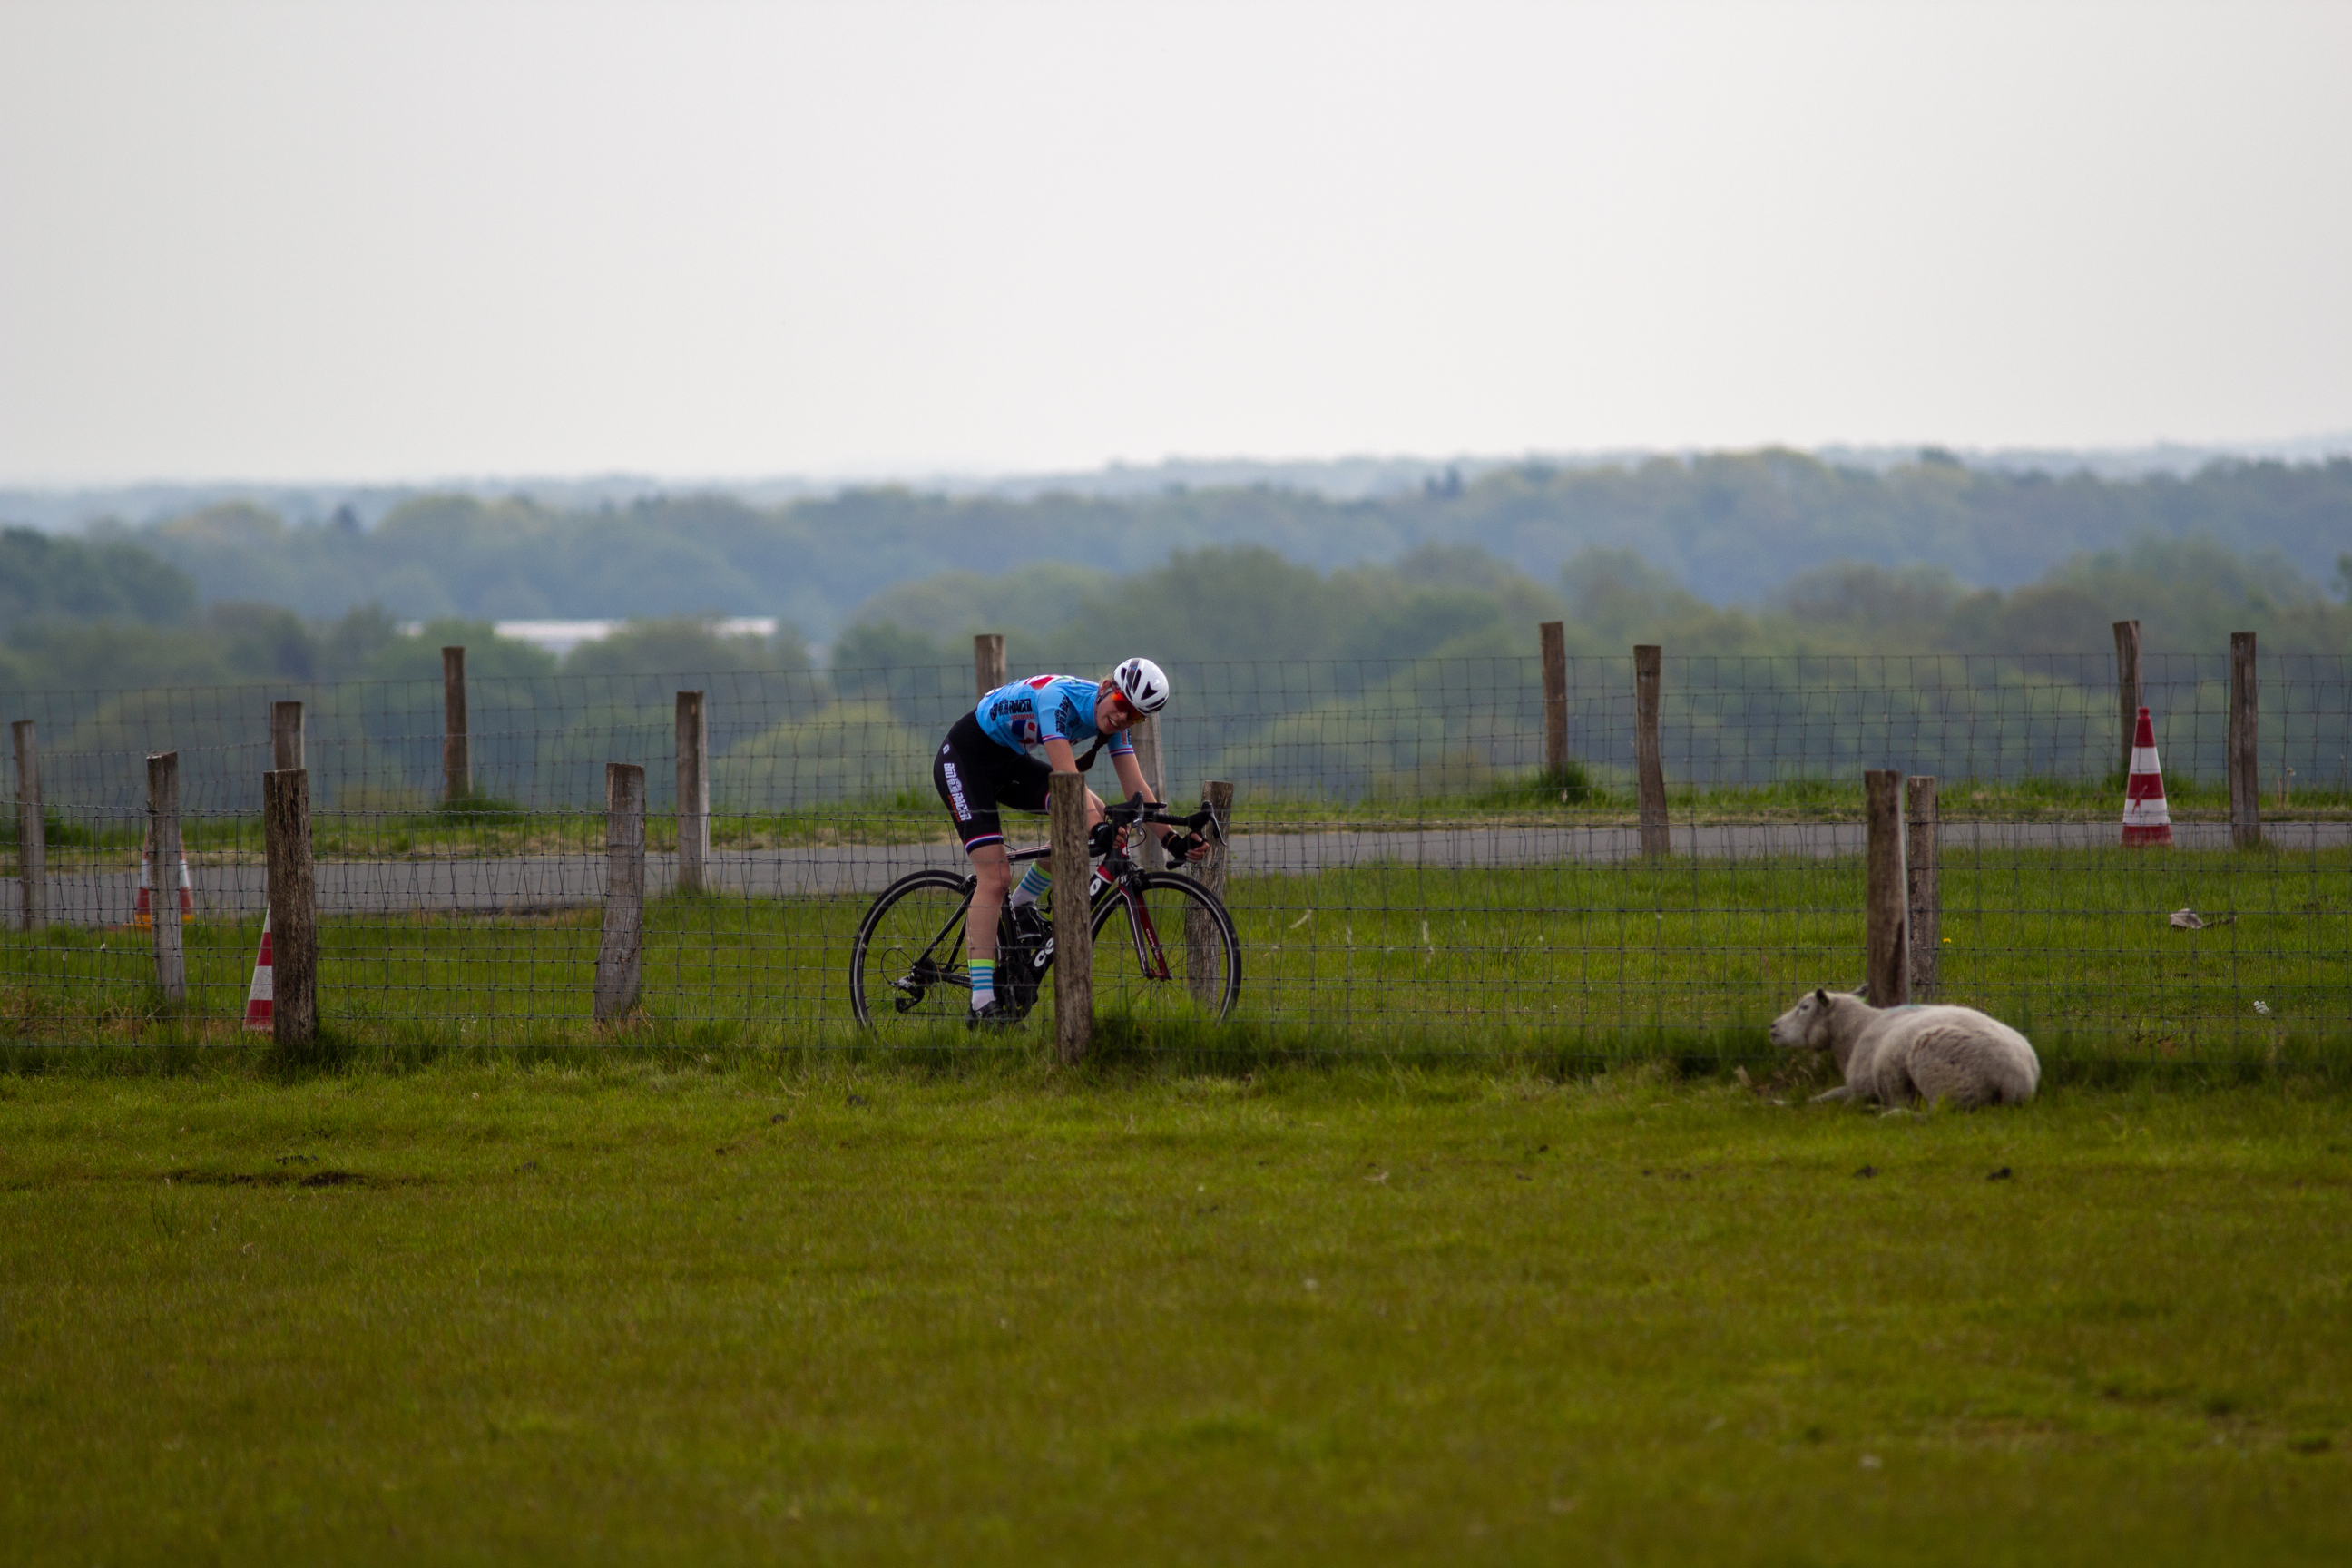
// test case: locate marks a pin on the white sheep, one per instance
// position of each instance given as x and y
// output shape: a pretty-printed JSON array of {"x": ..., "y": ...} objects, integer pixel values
[{"x": 1898, "y": 1055}]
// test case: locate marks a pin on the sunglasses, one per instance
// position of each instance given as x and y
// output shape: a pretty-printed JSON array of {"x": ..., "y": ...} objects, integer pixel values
[{"x": 1118, "y": 701}]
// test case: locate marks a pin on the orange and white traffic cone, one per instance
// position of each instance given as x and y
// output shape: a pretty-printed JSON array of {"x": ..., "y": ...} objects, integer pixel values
[
  {"x": 260, "y": 1000},
  {"x": 143, "y": 915},
  {"x": 2146, "y": 819}
]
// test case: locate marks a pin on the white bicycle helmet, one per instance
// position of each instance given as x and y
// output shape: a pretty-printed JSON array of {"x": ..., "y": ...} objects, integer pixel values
[{"x": 1143, "y": 683}]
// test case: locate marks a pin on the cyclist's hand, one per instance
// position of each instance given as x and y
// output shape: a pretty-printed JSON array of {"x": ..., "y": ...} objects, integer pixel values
[
  {"x": 1101, "y": 840},
  {"x": 1184, "y": 845}
]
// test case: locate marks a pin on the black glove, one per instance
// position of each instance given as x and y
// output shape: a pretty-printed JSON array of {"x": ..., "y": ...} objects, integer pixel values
[
  {"x": 1104, "y": 835},
  {"x": 1180, "y": 846}
]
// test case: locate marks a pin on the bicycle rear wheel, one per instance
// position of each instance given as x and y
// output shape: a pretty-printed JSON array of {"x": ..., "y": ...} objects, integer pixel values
[
  {"x": 906, "y": 968},
  {"x": 1176, "y": 960}
]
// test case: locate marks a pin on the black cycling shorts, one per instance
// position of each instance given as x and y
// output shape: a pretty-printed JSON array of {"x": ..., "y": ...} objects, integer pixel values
[{"x": 974, "y": 775}]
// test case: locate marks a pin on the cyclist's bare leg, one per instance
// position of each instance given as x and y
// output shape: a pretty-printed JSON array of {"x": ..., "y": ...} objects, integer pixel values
[
  {"x": 1038, "y": 869},
  {"x": 992, "y": 869}
]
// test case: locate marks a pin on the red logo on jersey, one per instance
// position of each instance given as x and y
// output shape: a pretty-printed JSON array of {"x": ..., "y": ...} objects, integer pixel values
[{"x": 1038, "y": 682}]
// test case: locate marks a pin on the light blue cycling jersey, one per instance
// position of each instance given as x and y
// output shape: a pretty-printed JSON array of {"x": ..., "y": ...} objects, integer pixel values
[{"x": 1045, "y": 708}]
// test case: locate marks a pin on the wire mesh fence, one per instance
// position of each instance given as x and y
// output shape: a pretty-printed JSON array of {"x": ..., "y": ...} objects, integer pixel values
[{"x": 1404, "y": 863}]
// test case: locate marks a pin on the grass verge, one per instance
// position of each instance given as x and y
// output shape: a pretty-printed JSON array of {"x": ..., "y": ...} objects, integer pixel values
[
  {"x": 2074, "y": 946},
  {"x": 1578, "y": 798}
]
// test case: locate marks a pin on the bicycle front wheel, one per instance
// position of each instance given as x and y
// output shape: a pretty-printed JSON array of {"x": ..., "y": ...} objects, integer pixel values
[
  {"x": 1165, "y": 953},
  {"x": 907, "y": 968}
]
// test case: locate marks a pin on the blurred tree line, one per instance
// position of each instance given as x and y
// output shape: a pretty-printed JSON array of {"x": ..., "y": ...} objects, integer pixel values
[
  {"x": 1417, "y": 679},
  {"x": 103, "y": 615},
  {"x": 1457, "y": 601},
  {"x": 1412, "y": 677},
  {"x": 252, "y": 644},
  {"x": 1731, "y": 528}
]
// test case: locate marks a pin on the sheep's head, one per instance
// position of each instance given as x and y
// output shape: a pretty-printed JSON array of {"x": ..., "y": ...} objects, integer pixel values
[{"x": 1806, "y": 1026}]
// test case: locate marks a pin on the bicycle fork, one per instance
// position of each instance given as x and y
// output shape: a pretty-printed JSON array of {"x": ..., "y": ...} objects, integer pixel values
[{"x": 1148, "y": 955}]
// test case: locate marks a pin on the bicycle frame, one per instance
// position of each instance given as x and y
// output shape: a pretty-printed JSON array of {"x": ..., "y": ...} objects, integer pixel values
[{"x": 1118, "y": 873}]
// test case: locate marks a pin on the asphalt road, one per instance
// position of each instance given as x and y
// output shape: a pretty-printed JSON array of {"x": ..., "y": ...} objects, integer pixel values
[{"x": 535, "y": 883}]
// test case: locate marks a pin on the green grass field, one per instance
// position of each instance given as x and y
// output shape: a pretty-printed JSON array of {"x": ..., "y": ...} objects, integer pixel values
[
  {"x": 487, "y": 827},
  {"x": 2074, "y": 946},
  {"x": 733, "y": 1306}
]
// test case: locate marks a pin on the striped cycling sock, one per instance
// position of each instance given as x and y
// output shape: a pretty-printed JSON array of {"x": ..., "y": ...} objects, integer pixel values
[
  {"x": 1033, "y": 885},
  {"x": 983, "y": 982}
]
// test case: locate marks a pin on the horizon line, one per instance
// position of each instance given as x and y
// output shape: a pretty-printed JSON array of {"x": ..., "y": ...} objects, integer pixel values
[{"x": 2315, "y": 447}]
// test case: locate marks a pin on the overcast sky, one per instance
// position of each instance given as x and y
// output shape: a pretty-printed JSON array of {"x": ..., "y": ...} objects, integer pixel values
[{"x": 336, "y": 240}]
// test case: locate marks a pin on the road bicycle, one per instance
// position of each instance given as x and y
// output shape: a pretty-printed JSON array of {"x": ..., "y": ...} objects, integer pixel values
[{"x": 1164, "y": 948}]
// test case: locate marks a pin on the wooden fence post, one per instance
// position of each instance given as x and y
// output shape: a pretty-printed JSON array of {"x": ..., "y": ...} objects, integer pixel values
[
  {"x": 457, "y": 764},
  {"x": 620, "y": 956},
  {"x": 1074, "y": 958},
  {"x": 1886, "y": 960},
  {"x": 1925, "y": 938},
  {"x": 164, "y": 874},
  {"x": 1553, "y": 640},
  {"x": 2128, "y": 687},
  {"x": 1648, "y": 679},
  {"x": 2245, "y": 775},
  {"x": 988, "y": 662},
  {"x": 32, "y": 827},
  {"x": 293, "y": 903},
  {"x": 1145, "y": 843},
  {"x": 286, "y": 746},
  {"x": 693, "y": 795},
  {"x": 1203, "y": 946}
]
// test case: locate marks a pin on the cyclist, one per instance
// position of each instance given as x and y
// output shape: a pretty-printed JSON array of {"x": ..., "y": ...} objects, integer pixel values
[{"x": 985, "y": 764}]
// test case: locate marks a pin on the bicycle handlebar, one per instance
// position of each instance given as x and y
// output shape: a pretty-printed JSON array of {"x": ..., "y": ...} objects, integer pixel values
[
  {"x": 1139, "y": 810},
  {"x": 1129, "y": 812}
]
